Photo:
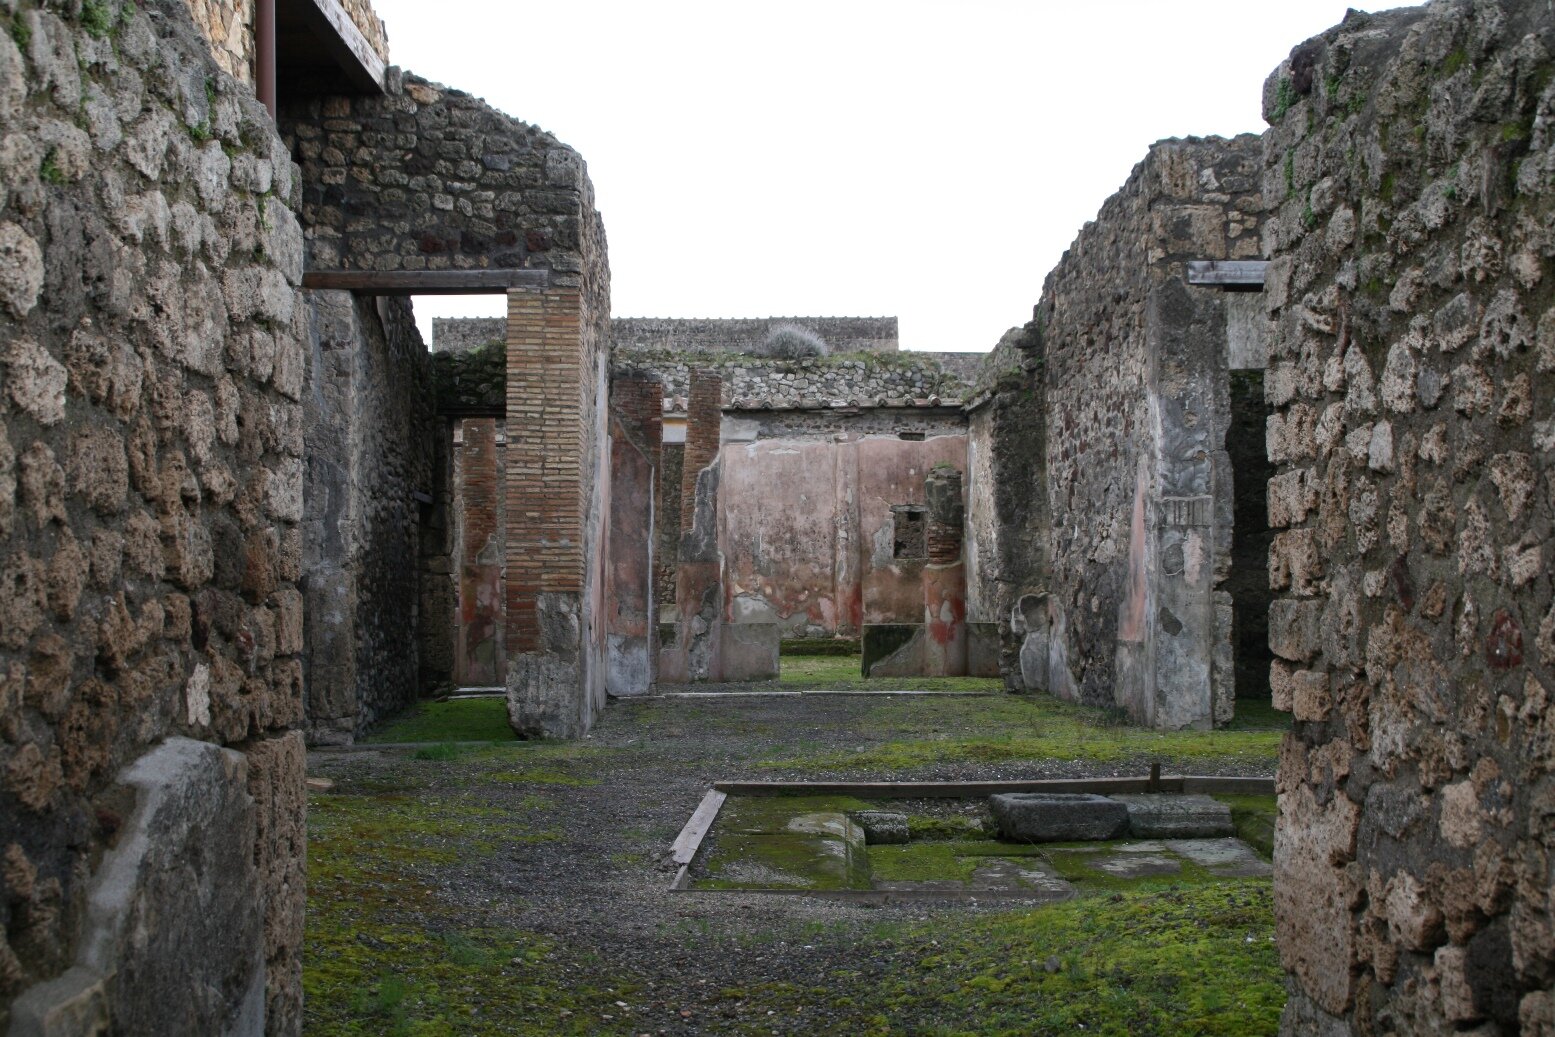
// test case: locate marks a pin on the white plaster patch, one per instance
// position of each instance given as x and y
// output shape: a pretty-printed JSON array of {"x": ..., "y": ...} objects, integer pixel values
[{"x": 197, "y": 697}]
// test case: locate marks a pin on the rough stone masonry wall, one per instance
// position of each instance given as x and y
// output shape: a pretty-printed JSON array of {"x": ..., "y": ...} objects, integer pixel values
[
  {"x": 1007, "y": 524},
  {"x": 749, "y": 335},
  {"x": 1412, "y": 159},
  {"x": 428, "y": 178},
  {"x": 864, "y": 378},
  {"x": 1119, "y": 334},
  {"x": 1129, "y": 412},
  {"x": 369, "y": 442},
  {"x": 150, "y": 492}
]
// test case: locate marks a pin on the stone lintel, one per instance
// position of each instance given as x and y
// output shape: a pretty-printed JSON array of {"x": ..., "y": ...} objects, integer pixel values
[{"x": 1238, "y": 273}]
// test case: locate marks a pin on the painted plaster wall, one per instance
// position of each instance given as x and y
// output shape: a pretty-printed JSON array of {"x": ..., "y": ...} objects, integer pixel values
[{"x": 808, "y": 533}]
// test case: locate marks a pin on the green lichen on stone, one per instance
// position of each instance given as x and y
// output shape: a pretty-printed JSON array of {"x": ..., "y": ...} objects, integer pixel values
[
  {"x": 49, "y": 171},
  {"x": 1284, "y": 98},
  {"x": 99, "y": 17},
  {"x": 472, "y": 380}
]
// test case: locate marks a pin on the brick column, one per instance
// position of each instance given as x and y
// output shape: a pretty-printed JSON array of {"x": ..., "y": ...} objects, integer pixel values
[
  {"x": 704, "y": 431},
  {"x": 545, "y": 414}
]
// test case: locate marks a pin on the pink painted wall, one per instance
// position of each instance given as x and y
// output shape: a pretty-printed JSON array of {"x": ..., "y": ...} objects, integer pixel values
[{"x": 806, "y": 529}]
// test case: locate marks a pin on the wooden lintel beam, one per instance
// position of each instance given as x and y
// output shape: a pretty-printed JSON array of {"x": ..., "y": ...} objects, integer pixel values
[
  {"x": 1228, "y": 272},
  {"x": 345, "y": 41},
  {"x": 426, "y": 282}
]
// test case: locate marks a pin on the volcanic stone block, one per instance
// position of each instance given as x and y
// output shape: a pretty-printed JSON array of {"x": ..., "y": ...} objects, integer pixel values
[
  {"x": 1049, "y": 817},
  {"x": 1160, "y": 816},
  {"x": 882, "y": 827}
]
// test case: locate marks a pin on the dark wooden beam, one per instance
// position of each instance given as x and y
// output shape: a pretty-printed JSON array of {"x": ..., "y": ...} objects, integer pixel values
[
  {"x": 1237, "y": 273},
  {"x": 329, "y": 23},
  {"x": 426, "y": 282}
]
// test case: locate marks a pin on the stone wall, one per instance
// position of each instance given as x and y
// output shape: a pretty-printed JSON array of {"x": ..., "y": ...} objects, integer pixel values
[
  {"x": 863, "y": 378},
  {"x": 852, "y": 422},
  {"x": 445, "y": 182},
  {"x": 1135, "y": 392},
  {"x": 368, "y": 439},
  {"x": 1007, "y": 523},
  {"x": 463, "y": 334},
  {"x": 151, "y": 476},
  {"x": 424, "y": 178},
  {"x": 473, "y": 381},
  {"x": 749, "y": 335},
  {"x": 1411, "y": 157}
]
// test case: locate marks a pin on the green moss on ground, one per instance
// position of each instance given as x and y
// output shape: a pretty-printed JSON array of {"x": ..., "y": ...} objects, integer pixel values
[
  {"x": 456, "y": 720},
  {"x": 384, "y": 954},
  {"x": 1197, "y": 960},
  {"x": 1254, "y": 818},
  {"x": 844, "y": 673},
  {"x": 1028, "y": 727}
]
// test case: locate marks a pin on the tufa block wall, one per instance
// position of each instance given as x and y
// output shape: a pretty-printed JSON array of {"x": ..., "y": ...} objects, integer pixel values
[
  {"x": 749, "y": 335},
  {"x": 1411, "y": 160},
  {"x": 151, "y": 475}
]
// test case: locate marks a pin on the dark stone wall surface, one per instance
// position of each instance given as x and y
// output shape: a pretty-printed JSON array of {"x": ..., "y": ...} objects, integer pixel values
[
  {"x": 370, "y": 440},
  {"x": 1411, "y": 157},
  {"x": 151, "y": 475},
  {"x": 428, "y": 178},
  {"x": 1007, "y": 523}
]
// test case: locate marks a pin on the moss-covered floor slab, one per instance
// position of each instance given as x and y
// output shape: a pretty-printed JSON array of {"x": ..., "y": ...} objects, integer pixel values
[{"x": 810, "y": 843}]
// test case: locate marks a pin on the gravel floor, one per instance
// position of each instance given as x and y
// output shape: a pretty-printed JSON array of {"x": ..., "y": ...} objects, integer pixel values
[{"x": 602, "y": 887}]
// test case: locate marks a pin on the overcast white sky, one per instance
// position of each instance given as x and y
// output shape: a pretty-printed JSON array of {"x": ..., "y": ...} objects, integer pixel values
[{"x": 930, "y": 160}]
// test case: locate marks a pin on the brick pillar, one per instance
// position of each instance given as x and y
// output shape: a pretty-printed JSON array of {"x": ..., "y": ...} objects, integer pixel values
[
  {"x": 544, "y": 457},
  {"x": 704, "y": 431},
  {"x": 639, "y": 401},
  {"x": 480, "y": 658}
]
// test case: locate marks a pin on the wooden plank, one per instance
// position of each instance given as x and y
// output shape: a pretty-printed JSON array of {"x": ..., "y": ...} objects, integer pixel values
[
  {"x": 690, "y": 837},
  {"x": 1213, "y": 784},
  {"x": 425, "y": 282},
  {"x": 942, "y": 789},
  {"x": 347, "y": 44},
  {"x": 1227, "y": 271}
]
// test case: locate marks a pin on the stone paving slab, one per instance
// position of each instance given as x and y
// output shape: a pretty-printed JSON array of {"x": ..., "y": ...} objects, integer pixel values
[{"x": 1170, "y": 815}]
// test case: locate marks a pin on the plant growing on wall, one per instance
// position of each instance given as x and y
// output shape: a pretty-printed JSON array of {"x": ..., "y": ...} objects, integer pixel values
[{"x": 791, "y": 342}]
